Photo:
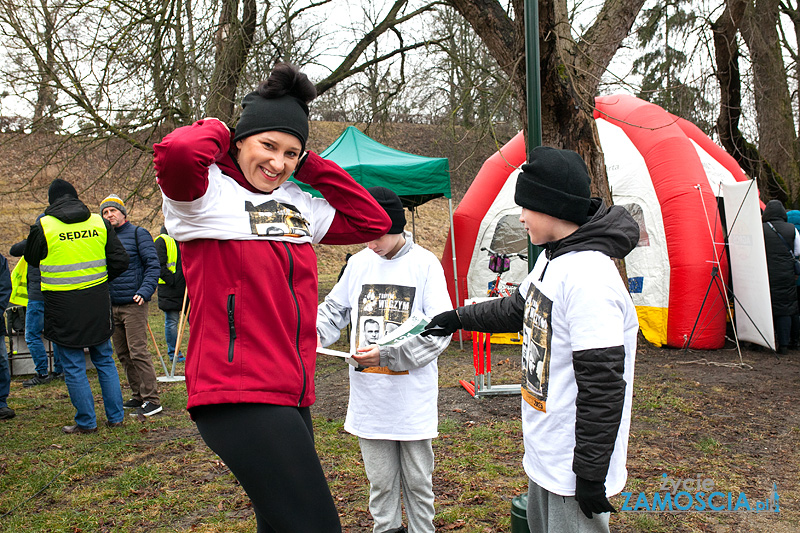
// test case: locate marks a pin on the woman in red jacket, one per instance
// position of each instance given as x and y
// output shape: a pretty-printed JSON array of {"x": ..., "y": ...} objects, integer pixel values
[{"x": 246, "y": 237}]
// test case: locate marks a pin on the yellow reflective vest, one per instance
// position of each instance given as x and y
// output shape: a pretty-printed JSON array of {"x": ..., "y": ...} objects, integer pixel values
[
  {"x": 19, "y": 283},
  {"x": 76, "y": 254},
  {"x": 172, "y": 254}
]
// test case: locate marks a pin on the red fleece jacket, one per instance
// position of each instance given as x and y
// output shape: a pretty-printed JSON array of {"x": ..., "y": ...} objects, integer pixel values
[{"x": 254, "y": 302}]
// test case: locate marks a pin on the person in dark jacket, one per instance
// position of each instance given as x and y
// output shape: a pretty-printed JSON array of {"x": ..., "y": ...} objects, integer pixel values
[
  {"x": 782, "y": 246},
  {"x": 793, "y": 217},
  {"x": 171, "y": 288},
  {"x": 5, "y": 374},
  {"x": 130, "y": 294},
  {"x": 579, "y": 343},
  {"x": 34, "y": 324},
  {"x": 77, "y": 252}
]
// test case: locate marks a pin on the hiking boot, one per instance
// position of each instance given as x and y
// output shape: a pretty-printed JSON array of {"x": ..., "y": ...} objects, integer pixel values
[
  {"x": 148, "y": 409},
  {"x": 7, "y": 413},
  {"x": 36, "y": 380},
  {"x": 115, "y": 424},
  {"x": 133, "y": 403},
  {"x": 72, "y": 430}
]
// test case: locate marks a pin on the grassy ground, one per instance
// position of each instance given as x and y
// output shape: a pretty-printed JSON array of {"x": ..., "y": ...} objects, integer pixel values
[
  {"x": 738, "y": 426},
  {"x": 158, "y": 476}
]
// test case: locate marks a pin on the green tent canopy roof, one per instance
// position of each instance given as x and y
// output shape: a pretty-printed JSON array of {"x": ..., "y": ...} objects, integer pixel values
[{"x": 415, "y": 178}]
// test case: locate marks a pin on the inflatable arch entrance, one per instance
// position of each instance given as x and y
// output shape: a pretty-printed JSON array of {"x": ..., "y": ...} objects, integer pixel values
[{"x": 668, "y": 174}]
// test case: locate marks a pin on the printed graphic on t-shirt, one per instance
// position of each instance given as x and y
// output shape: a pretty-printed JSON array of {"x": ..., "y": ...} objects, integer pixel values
[
  {"x": 537, "y": 334},
  {"x": 381, "y": 309},
  {"x": 274, "y": 219}
]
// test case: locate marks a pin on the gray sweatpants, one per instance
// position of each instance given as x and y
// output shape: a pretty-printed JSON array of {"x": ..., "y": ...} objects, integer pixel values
[
  {"x": 551, "y": 513},
  {"x": 393, "y": 466}
]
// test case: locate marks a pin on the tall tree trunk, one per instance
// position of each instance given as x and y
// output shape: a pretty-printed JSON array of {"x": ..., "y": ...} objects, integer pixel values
[
  {"x": 777, "y": 137},
  {"x": 570, "y": 69},
  {"x": 726, "y": 55},
  {"x": 44, "y": 109},
  {"x": 233, "y": 40}
]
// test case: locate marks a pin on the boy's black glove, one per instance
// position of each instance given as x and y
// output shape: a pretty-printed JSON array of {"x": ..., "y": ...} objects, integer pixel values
[
  {"x": 443, "y": 324},
  {"x": 591, "y": 496}
]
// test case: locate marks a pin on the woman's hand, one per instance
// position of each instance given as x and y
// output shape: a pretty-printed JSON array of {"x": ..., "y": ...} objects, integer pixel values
[{"x": 300, "y": 162}]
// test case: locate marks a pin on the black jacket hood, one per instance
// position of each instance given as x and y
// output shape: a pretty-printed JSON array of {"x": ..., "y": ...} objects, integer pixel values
[
  {"x": 610, "y": 230},
  {"x": 68, "y": 210},
  {"x": 773, "y": 211}
]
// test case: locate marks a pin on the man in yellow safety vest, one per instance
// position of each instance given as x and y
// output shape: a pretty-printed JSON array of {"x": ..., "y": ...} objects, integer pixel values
[
  {"x": 171, "y": 289},
  {"x": 77, "y": 253},
  {"x": 26, "y": 291}
]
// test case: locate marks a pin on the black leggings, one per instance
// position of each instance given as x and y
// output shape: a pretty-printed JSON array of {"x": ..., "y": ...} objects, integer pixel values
[{"x": 270, "y": 450}]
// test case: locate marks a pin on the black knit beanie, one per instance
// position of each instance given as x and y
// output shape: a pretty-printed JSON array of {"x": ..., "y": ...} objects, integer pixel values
[
  {"x": 60, "y": 188},
  {"x": 555, "y": 182},
  {"x": 393, "y": 206},
  {"x": 259, "y": 114}
]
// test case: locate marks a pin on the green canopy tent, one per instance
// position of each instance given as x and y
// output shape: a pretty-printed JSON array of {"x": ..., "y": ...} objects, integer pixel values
[{"x": 416, "y": 179}]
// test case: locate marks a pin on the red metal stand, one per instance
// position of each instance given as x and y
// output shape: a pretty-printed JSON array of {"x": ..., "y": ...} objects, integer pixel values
[{"x": 482, "y": 362}]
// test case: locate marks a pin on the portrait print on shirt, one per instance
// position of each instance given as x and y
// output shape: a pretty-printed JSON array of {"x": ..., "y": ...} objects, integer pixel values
[
  {"x": 537, "y": 334},
  {"x": 381, "y": 309},
  {"x": 274, "y": 219}
]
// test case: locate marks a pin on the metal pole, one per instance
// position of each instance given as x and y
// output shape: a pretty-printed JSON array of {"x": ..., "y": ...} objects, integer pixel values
[
  {"x": 184, "y": 308},
  {"x": 455, "y": 268},
  {"x": 533, "y": 88}
]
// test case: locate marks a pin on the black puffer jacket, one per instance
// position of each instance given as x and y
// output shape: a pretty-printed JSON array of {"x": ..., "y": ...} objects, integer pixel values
[{"x": 779, "y": 259}]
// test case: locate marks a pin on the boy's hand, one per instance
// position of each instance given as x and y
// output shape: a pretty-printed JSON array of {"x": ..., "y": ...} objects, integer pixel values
[
  {"x": 443, "y": 324},
  {"x": 368, "y": 356},
  {"x": 591, "y": 497}
]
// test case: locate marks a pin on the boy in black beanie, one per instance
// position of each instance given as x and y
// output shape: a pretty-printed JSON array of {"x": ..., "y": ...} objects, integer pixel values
[{"x": 579, "y": 342}]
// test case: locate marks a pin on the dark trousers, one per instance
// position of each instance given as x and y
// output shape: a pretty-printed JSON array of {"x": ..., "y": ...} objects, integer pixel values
[
  {"x": 270, "y": 450},
  {"x": 794, "y": 340},
  {"x": 130, "y": 343}
]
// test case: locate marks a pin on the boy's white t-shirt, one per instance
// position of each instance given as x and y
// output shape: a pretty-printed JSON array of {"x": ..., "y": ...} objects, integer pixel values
[
  {"x": 580, "y": 304},
  {"x": 383, "y": 406}
]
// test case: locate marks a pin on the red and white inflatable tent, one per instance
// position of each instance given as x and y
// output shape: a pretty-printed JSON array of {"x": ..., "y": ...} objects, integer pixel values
[{"x": 668, "y": 174}]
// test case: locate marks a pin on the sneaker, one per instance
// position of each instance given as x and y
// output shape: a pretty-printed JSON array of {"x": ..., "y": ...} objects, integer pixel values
[
  {"x": 77, "y": 430},
  {"x": 55, "y": 375},
  {"x": 36, "y": 380},
  {"x": 115, "y": 424},
  {"x": 7, "y": 413},
  {"x": 148, "y": 409},
  {"x": 133, "y": 403}
]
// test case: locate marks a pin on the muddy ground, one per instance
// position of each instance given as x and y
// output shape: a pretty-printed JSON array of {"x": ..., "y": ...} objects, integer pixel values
[{"x": 710, "y": 414}]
